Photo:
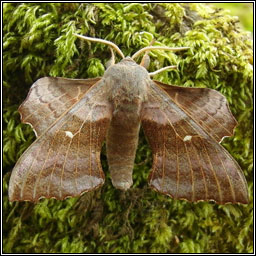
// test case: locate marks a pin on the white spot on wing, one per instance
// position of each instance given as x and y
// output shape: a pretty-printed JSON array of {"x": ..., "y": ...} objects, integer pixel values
[
  {"x": 187, "y": 138},
  {"x": 69, "y": 134}
]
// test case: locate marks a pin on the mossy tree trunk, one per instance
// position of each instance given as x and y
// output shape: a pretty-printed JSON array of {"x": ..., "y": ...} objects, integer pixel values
[{"x": 38, "y": 42}]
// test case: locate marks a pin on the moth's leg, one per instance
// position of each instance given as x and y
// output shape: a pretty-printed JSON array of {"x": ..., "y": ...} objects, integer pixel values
[
  {"x": 146, "y": 59},
  {"x": 111, "y": 61}
]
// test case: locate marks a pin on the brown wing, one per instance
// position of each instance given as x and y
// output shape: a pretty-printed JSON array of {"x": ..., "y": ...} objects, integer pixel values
[
  {"x": 65, "y": 159},
  {"x": 187, "y": 161},
  {"x": 49, "y": 98},
  {"x": 207, "y": 107}
]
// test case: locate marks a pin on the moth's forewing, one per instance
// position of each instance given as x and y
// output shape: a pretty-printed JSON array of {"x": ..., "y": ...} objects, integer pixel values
[
  {"x": 51, "y": 97},
  {"x": 188, "y": 161},
  {"x": 207, "y": 107},
  {"x": 65, "y": 159}
]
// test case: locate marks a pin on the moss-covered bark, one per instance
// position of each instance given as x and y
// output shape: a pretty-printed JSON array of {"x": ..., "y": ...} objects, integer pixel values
[{"x": 38, "y": 42}]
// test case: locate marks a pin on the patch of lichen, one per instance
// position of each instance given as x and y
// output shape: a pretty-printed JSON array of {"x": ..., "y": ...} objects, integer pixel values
[{"x": 38, "y": 42}]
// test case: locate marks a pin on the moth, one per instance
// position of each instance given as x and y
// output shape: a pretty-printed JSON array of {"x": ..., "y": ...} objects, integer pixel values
[{"x": 73, "y": 117}]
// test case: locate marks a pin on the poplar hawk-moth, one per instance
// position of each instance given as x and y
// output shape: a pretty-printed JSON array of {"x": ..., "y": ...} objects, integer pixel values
[{"x": 73, "y": 117}]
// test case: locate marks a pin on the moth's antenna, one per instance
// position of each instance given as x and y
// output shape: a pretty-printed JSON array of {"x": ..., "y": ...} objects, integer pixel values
[
  {"x": 161, "y": 70},
  {"x": 103, "y": 42},
  {"x": 148, "y": 48}
]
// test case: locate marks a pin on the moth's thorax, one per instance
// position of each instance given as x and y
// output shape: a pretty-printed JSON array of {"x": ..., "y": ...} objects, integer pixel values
[{"x": 127, "y": 81}]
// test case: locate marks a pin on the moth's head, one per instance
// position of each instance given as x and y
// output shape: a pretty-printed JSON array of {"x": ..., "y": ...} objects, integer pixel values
[
  {"x": 127, "y": 69},
  {"x": 127, "y": 60}
]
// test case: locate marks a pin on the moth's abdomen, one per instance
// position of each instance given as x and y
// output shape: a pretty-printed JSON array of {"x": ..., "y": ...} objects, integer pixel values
[{"x": 122, "y": 141}]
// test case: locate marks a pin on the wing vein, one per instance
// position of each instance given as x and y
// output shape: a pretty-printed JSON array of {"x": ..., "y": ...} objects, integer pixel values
[
  {"x": 53, "y": 168},
  {"x": 163, "y": 160},
  {"x": 178, "y": 167},
  {"x": 191, "y": 172},
  {"x": 63, "y": 167},
  {"x": 39, "y": 175},
  {"x": 90, "y": 147},
  {"x": 228, "y": 177},
  {"x": 202, "y": 171},
  {"x": 98, "y": 154},
  {"x": 213, "y": 171},
  {"x": 237, "y": 170},
  {"x": 27, "y": 173}
]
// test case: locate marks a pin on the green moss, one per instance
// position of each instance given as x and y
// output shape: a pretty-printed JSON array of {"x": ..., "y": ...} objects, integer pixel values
[
  {"x": 38, "y": 42},
  {"x": 243, "y": 10}
]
